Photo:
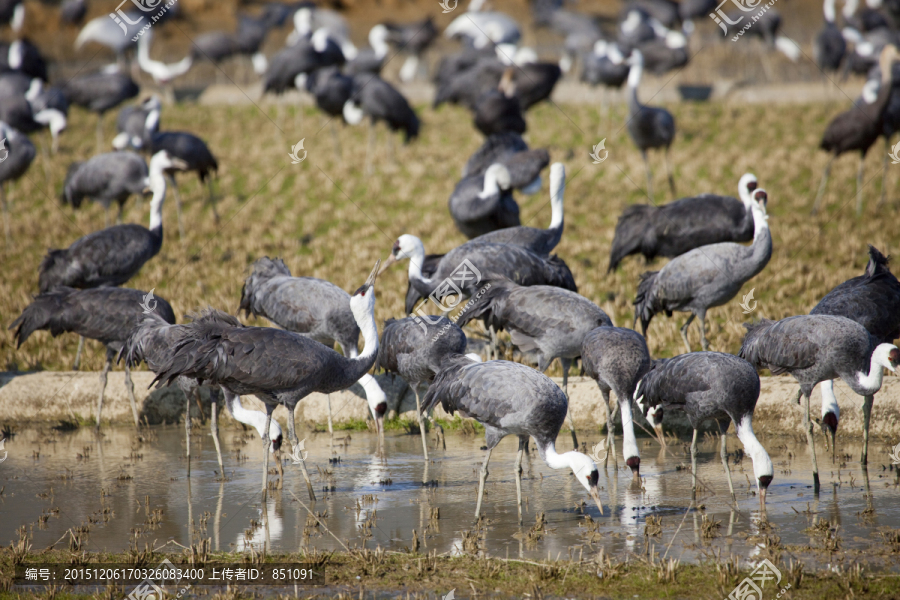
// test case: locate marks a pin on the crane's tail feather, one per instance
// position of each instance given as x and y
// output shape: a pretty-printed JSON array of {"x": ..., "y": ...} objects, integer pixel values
[
  {"x": 43, "y": 313},
  {"x": 645, "y": 305}
]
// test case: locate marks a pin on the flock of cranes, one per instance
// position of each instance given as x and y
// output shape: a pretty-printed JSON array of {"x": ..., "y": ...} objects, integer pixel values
[{"x": 507, "y": 271}]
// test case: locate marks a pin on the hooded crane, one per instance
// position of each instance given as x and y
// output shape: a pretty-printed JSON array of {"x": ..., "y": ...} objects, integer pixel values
[
  {"x": 107, "y": 178},
  {"x": 19, "y": 155},
  {"x": 499, "y": 110},
  {"x": 539, "y": 241},
  {"x": 107, "y": 314},
  {"x": 678, "y": 227},
  {"x": 413, "y": 348},
  {"x": 510, "y": 150},
  {"x": 135, "y": 125},
  {"x": 872, "y": 300},
  {"x": 278, "y": 367},
  {"x": 152, "y": 341},
  {"x": 858, "y": 128},
  {"x": 460, "y": 264},
  {"x": 816, "y": 348},
  {"x": 510, "y": 399},
  {"x": 705, "y": 277},
  {"x": 290, "y": 66},
  {"x": 549, "y": 320},
  {"x": 195, "y": 155},
  {"x": 101, "y": 91},
  {"x": 616, "y": 358},
  {"x": 649, "y": 127},
  {"x": 483, "y": 203},
  {"x": 314, "y": 308},
  {"x": 709, "y": 385}
]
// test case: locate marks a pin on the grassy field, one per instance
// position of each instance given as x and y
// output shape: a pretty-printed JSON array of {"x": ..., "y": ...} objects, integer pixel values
[{"x": 327, "y": 219}]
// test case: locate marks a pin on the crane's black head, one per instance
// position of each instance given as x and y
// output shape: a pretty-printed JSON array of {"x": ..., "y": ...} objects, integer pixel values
[
  {"x": 276, "y": 443},
  {"x": 830, "y": 421},
  {"x": 752, "y": 185},
  {"x": 764, "y": 481},
  {"x": 370, "y": 281},
  {"x": 761, "y": 197},
  {"x": 894, "y": 357}
]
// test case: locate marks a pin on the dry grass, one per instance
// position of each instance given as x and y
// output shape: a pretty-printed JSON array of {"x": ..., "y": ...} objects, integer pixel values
[{"x": 328, "y": 220}]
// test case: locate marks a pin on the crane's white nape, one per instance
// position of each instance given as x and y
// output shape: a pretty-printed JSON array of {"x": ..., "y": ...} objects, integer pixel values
[
  {"x": 15, "y": 55},
  {"x": 885, "y": 356},
  {"x": 375, "y": 396},
  {"x": 831, "y": 412},
  {"x": 615, "y": 55},
  {"x": 636, "y": 62},
  {"x": 55, "y": 120},
  {"x": 409, "y": 69},
  {"x": 747, "y": 184},
  {"x": 408, "y": 246},
  {"x": 362, "y": 305},
  {"x": 851, "y": 35},
  {"x": 582, "y": 466},
  {"x": 762, "y": 464},
  {"x": 320, "y": 40},
  {"x": 632, "y": 21},
  {"x": 675, "y": 40},
  {"x": 254, "y": 418},
  {"x": 788, "y": 47},
  {"x": 156, "y": 180},
  {"x": 260, "y": 63},
  {"x": 496, "y": 178},
  {"x": 630, "y": 450},
  {"x": 120, "y": 142},
  {"x": 870, "y": 90},
  {"x": 353, "y": 113},
  {"x": 18, "y": 18},
  {"x": 34, "y": 89},
  {"x": 303, "y": 21},
  {"x": 849, "y": 9},
  {"x": 557, "y": 193},
  {"x": 300, "y": 81},
  {"x": 600, "y": 47},
  {"x": 828, "y": 9},
  {"x": 378, "y": 39}
]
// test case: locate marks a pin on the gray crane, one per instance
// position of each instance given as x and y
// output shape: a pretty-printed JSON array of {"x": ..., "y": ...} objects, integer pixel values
[
  {"x": 705, "y": 277},
  {"x": 101, "y": 91},
  {"x": 815, "y": 348},
  {"x": 872, "y": 300},
  {"x": 678, "y": 227},
  {"x": 152, "y": 341},
  {"x": 548, "y": 320},
  {"x": 709, "y": 385},
  {"x": 650, "y": 127},
  {"x": 483, "y": 203},
  {"x": 314, "y": 308},
  {"x": 539, "y": 241},
  {"x": 413, "y": 348},
  {"x": 20, "y": 155},
  {"x": 107, "y": 178},
  {"x": 106, "y": 314},
  {"x": 279, "y": 367},
  {"x": 510, "y": 399},
  {"x": 616, "y": 358}
]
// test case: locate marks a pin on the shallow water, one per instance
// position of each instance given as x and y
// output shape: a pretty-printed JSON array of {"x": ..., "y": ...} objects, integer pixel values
[{"x": 66, "y": 473}]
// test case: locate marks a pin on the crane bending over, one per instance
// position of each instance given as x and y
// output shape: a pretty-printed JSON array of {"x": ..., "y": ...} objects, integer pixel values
[{"x": 510, "y": 399}]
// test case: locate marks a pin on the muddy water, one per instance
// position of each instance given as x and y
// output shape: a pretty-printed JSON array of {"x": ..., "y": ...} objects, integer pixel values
[{"x": 121, "y": 484}]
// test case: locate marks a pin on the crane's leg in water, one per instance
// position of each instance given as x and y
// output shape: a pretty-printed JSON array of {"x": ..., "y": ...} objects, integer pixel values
[
  {"x": 694, "y": 466},
  {"x": 684, "y": 331},
  {"x": 822, "y": 185},
  {"x": 266, "y": 442},
  {"x": 103, "y": 374},
  {"x": 482, "y": 477},
  {"x": 723, "y": 432},
  {"x": 187, "y": 431},
  {"x": 610, "y": 432},
  {"x": 868, "y": 401},
  {"x": 295, "y": 454},
  {"x": 421, "y": 421},
  {"x": 519, "y": 455},
  {"x": 214, "y": 428},
  {"x": 807, "y": 425},
  {"x": 129, "y": 387},
  {"x": 566, "y": 365}
]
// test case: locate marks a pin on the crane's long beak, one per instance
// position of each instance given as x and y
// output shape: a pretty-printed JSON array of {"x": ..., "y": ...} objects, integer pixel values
[
  {"x": 762, "y": 501},
  {"x": 177, "y": 163},
  {"x": 595, "y": 494},
  {"x": 370, "y": 281},
  {"x": 391, "y": 259},
  {"x": 659, "y": 435}
]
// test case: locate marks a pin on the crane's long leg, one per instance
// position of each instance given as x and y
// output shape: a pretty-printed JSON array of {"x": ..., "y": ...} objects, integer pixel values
[
  {"x": 684, "y": 330},
  {"x": 610, "y": 432},
  {"x": 703, "y": 341},
  {"x": 884, "y": 171},
  {"x": 78, "y": 352},
  {"x": 103, "y": 374},
  {"x": 868, "y": 401},
  {"x": 822, "y": 184},
  {"x": 566, "y": 365},
  {"x": 212, "y": 198},
  {"x": 723, "y": 432},
  {"x": 330, "y": 419},
  {"x": 266, "y": 442},
  {"x": 694, "y": 466},
  {"x": 214, "y": 429},
  {"x": 187, "y": 430},
  {"x": 370, "y": 147},
  {"x": 129, "y": 387},
  {"x": 421, "y": 421},
  {"x": 481, "y": 479},
  {"x": 177, "y": 195},
  {"x": 6, "y": 225},
  {"x": 669, "y": 174},
  {"x": 649, "y": 175},
  {"x": 292, "y": 434},
  {"x": 807, "y": 424},
  {"x": 522, "y": 441},
  {"x": 859, "y": 183}
]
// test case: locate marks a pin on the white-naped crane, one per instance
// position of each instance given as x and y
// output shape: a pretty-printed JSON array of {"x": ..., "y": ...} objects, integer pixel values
[
  {"x": 534, "y": 239},
  {"x": 547, "y": 320},
  {"x": 195, "y": 156},
  {"x": 105, "y": 314},
  {"x": 21, "y": 153},
  {"x": 135, "y": 125},
  {"x": 650, "y": 127},
  {"x": 314, "y": 308},
  {"x": 872, "y": 300},
  {"x": 856, "y": 129},
  {"x": 101, "y": 91},
  {"x": 414, "y": 348},
  {"x": 616, "y": 358},
  {"x": 514, "y": 262},
  {"x": 816, "y": 348},
  {"x": 483, "y": 203},
  {"x": 510, "y": 399},
  {"x": 277, "y": 366},
  {"x": 705, "y": 277},
  {"x": 672, "y": 229},
  {"x": 708, "y": 385},
  {"x": 152, "y": 340}
]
